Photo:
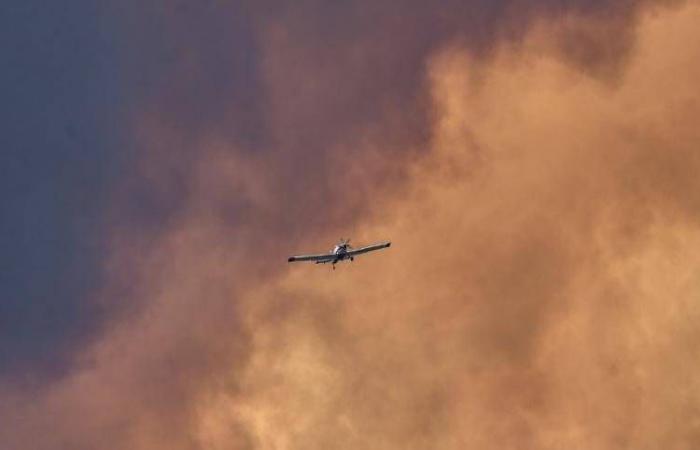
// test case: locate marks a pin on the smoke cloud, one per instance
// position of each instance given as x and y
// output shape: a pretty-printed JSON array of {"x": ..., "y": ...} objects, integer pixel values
[{"x": 541, "y": 292}]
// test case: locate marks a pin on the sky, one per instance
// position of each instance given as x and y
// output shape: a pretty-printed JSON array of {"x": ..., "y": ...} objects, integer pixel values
[{"x": 534, "y": 164}]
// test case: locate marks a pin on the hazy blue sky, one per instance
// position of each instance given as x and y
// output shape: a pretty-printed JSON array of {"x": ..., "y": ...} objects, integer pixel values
[{"x": 64, "y": 144}]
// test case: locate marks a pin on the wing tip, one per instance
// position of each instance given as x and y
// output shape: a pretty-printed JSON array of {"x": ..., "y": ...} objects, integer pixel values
[{"x": 291, "y": 259}]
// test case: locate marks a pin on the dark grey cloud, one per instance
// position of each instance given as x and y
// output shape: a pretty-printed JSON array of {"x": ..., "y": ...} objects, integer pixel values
[{"x": 291, "y": 82}]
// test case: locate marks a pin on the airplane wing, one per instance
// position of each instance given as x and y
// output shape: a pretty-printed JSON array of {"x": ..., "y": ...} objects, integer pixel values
[
  {"x": 369, "y": 248},
  {"x": 326, "y": 257}
]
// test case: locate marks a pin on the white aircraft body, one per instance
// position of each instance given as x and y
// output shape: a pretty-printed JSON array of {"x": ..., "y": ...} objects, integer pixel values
[{"x": 341, "y": 252}]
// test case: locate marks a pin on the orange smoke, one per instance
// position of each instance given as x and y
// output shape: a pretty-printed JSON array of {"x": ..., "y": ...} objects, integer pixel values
[{"x": 541, "y": 293}]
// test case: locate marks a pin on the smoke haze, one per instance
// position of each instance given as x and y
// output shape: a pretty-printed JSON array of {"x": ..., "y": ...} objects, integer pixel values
[{"x": 536, "y": 169}]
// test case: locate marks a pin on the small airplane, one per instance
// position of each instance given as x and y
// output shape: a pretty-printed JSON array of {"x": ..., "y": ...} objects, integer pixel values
[{"x": 341, "y": 252}]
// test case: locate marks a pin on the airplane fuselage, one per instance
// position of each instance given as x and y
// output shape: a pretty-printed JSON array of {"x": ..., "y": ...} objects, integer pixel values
[{"x": 340, "y": 252}]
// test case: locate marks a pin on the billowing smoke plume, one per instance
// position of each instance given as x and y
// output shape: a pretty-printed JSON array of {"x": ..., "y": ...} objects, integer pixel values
[{"x": 538, "y": 178}]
